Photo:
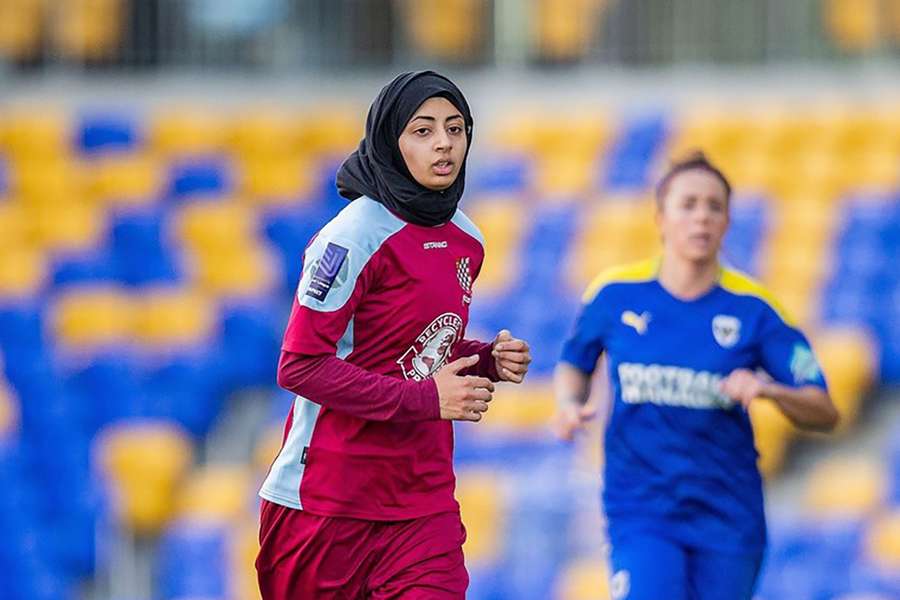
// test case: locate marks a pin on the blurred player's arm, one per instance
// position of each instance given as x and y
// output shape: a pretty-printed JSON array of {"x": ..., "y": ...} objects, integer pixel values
[
  {"x": 572, "y": 388},
  {"x": 808, "y": 407}
]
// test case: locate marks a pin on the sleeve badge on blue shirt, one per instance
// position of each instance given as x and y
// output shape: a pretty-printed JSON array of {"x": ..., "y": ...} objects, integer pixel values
[
  {"x": 726, "y": 330},
  {"x": 804, "y": 366}
]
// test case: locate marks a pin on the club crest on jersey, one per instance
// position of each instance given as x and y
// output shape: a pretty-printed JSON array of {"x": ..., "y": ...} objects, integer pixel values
[
  {"x": 726, "y": 330},
  {"x": 637, "y": 321},
  {"x": 432, "y": 347},
  {"x": 464, "y": 275}
]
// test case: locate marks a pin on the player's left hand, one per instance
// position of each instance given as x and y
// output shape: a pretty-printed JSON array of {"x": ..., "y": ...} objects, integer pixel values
[
  {"x": 744, "y": 386},
  {"x": 512, "y": 357}
]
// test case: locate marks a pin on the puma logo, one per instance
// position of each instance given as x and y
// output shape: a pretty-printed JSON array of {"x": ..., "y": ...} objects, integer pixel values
[{"x": 639, "y": 322}]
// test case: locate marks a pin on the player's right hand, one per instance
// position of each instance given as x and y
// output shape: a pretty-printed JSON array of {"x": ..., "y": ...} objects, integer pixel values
[
  {"x": 462, "y": 397},
  {"x": 570, "y": 418}
]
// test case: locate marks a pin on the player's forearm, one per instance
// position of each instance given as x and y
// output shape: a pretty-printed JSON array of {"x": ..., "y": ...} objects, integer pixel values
[
  {"x": 486, "y": 365},
  {"x": 571, "y": 385},
  {"x": 808, "y": 407},
  {"x": 339, "y": 385}
]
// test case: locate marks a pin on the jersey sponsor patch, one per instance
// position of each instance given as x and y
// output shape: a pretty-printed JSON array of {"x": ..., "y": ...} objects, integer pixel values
[
  {"x": 726, "y": 330},
  {"x": 326, "y": 271},
  {"x": 432, "y": 347},
  {"x": 671, "y": 386},
  {"x": 804, "y": 366}
]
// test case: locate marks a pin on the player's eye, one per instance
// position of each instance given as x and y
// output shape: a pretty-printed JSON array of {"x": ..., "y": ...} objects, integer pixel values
[
  {"x": 422, "y": 131},
  {"x": 455, "y": 129}
]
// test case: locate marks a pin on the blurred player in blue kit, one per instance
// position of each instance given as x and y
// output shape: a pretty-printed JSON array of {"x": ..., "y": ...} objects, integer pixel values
[{"x": 689, "y": 344}]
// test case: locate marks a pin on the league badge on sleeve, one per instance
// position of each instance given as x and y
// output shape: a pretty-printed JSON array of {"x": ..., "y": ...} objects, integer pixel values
[
  {"x": 726, "y": 330},
  {"x": 804, "y": 366},
  {"x": 325, "y": 271}
]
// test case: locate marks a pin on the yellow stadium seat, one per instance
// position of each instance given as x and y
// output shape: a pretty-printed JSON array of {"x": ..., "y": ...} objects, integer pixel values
[
  {"x": 331, "y": 132},
  {"x": 849, "y": 358},
  {"x": 523, "y": 408},
  {"x": 143, "y": 462},
  {"x": 166, "y": 318},
  {"x": 94, "y": 316},
  {"x": 70, "y": 227},
  {"x": 244, "y": 547},
  {"x": 883, "y": 541},
  {"x": 501, "y": 224},
  {"x": 216, "y": 493},
  {"x": 565, "y": 177},
  {"x": 49, "y": 182},
  {"x": 267, "y": 448},
  {"x": 846, "y": 488},
  {"x": 480, "y": 497},
  {"x": 565, "y": 29},
  {"x": 263, "y": 134},
  {"x": 434, "y": 35},
  {"x": 244, "y": 270},
  {"x": 585, "y": 579},
  {"x": 14, "y": 226},
  {"x": 854, "y": 25},
  {"x": 214, "y": 227},
  {"x": 187, "y": 132},
  {"x": 127, "y": 180},
  {"x": 23, "y": 272},
  {"x": 277, "y": 180},
  {"x": 772, "y": 432},
  {"x": 35, "y": 134},
  {"x": 9, "y": 412},
  {"x": 20, "y": 28},
  {"x": 616, "y": 231},
  {"x": 88, "y": 29}
]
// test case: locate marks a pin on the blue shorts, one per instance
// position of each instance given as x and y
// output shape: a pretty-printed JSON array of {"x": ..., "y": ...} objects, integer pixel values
[{"x": 649, "y": 567}]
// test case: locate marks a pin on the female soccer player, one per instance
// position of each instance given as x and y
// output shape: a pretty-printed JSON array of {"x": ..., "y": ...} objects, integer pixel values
[
  {"x": 687, "y": 341},
  {"x": 359, "y": 502}
]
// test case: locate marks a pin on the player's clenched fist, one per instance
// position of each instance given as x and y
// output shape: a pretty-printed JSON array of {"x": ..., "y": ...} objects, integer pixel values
[
  {"x": 512, "y": 357},
  {"x": 462, "y": 397},
  {"x": 744, "y": 386}
]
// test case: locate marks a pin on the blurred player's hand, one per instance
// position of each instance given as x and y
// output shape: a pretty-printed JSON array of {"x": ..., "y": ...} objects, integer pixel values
[
  {"x": 512, "y": 357},
  {"x": 744, "y": 386},
  {"x": 462, "y": 397},
  {"x": 570, "y": 418}
]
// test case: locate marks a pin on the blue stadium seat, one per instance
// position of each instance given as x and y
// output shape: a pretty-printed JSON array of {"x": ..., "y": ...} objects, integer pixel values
[
  {"x": 498, "y": 174},
  {"x": 749, "y": 222},
  {"x": 200, "y": 177},
  {"x": 186, "y": 389},
  {"x": 139, "y": 252},
  {"x": 109, "y": 383},
  {"x": 194, "y": 562},
  {"x": 250, "y": 343},
  {"x": 93, "y": 266},
  {"x": 631, "y": 157},
  {"x": 290, "y": 230},
  {"x": 102, "y": 131}
]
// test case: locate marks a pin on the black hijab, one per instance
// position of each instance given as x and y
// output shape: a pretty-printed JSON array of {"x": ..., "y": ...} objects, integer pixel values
[{"x": 377, "y": 169}]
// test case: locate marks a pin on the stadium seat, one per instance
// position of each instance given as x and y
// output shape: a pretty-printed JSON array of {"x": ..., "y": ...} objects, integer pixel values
[
  {"x": 88, "y": 30},
  {"x": 454, "y": 40},
  {"x": 194, "y": 562},
  {"x": 331, "y": 132},
  {"x": 527, "y": 409},
  {"x": 101, "y": 132},
  {"x": 585, "y": 579},
  {"x": 93, "y": 316},
  {"x": 67, "y": 228},
  {"x": 481, "y": 500},
  {"x": 20, "y": 29},
  {"x": 264, "y": 133},
  {"x": 36, "y": 133},
  {"x": 173, "y": 318},
  {"x": 499, "y": 220},
  {"x": 140, "y": 250},
  {"x": 849, "y": 359},
  {"x": 184, "y": 132},
  {"x": 883, "y": 541},
  {"x": 844, "y": 488},
  {"x": 565, "y": 30},
  {"x": 212, "y": 227},
  {"x": 200, "y": 177},
  {"x": 276, "y": 180},
  {"x": 126, "y": 180},
  {"x": 218, "y": 493},
  {"x": 244, "y": 270},
  {"x": 771, "y": 432},
  {"x": 143, "y": 462},
  {"x": 23, "y": 272}
]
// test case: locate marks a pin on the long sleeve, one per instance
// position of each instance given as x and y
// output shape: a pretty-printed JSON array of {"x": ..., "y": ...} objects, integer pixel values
[
  {"x": 486, "y": 365},
  {"x": 339, "y": 385}
]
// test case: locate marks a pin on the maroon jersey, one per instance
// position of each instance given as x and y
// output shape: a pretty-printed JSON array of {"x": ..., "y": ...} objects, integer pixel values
[{"x": 382, "y": 304}]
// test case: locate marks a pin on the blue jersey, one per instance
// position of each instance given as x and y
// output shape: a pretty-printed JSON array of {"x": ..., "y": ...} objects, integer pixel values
[{"x": 680, "y": 457}]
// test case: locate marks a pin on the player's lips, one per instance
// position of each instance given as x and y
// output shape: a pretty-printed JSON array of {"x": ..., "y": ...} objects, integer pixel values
[
  {"x": 442, "y": 167},
  {"x": 701, "y": 238}
]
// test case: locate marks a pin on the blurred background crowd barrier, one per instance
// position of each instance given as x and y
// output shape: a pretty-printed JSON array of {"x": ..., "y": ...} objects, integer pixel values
[{"x": 163, "y": 163}]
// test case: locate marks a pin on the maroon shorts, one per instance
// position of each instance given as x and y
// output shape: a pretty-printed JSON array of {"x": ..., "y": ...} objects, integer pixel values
[{"x": 308, "y": 557}]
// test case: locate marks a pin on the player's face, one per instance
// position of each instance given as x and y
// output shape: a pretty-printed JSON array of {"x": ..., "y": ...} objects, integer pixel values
[
  {"x": 694, "y": 215},
  {"x": 433, "y": 143}
]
